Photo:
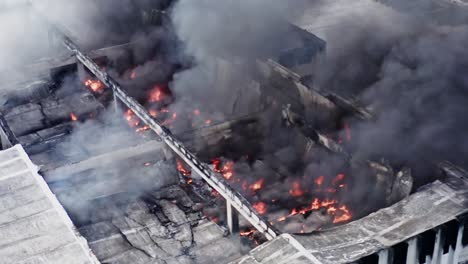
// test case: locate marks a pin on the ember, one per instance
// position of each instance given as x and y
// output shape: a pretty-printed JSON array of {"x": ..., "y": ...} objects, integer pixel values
[
  {"x": 260, "y": 207},
  {"x": 132, "y": 119},
  {"x": 340, "y": 213},
  {"x": 248, "y": 233},
  {"x": 182, "y": 169},
  {"x": 296, "y": 190},
  {"x": 257, "y": 185},
  {"x": 319, "y": 181},
  {"x": 73, "y": 117},
  {"x": 94, "y": 85},
  {"x": 226, "y": 170},
  {"x": 338, "y": 178},
  {"x": 155, "y": 95}
]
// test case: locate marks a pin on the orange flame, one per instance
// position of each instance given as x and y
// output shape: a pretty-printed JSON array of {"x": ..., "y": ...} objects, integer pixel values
[
  {"x": 155, "y": 95},
  {"x": 247, "y": 232},
  {"x": 338, "y": 178},
  {"x": 296, "y": 190},
  {"x": 260, "y": 207},
  {"x": 141, "y": 129},
  {"x": 94, "y": 85},
  {"x": 153, "y": 113},
  {"x": 339, "y": 213},
  {"x": 131, "y": 118},
  {"x": 73, "y": 117},
  {"x": 182, "y": 169},
  {"x": 226, "y": 170},
  {"x": 257, "y": 185},
  {"x": 319, "y": 181}
]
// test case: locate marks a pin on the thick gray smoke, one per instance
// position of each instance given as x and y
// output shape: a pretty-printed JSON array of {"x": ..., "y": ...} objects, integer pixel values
[
  {"x": 412, "y": 74},
  {"x": 225, "y": 38}
]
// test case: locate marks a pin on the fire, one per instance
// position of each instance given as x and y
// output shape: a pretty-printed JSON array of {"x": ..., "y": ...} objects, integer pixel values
[
  {"x": 319, "y": 181},
  {"x": 296, "y": 190},
  {"x": 133, "y": 75},
  {"x": 247, "y": 233},
  {"x": 182, "y": 169},
  {"x": 131, "y": 118},
  {"x": 208, "y": 122},
  {"x": 338, "y": 178},
  {"x": 94, "y": 85},
  {"x": 340, "y": 213},
  {"x": 196, "y": 112},
  {"x": 155, "y": 95},
  {"x": 143, "y": 128},
  {"x": 345, "y": 216},
  {"x": 260, "y": 207},
  {"x": 73, "y": 117},
  {"x": 153, "y": 113},
  {"x": 257, "y": 185},
  {"x": 226, "y": 170}
]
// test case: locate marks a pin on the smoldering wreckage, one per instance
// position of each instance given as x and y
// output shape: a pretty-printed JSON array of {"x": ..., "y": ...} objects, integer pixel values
[{"x": 234, "y": 131}]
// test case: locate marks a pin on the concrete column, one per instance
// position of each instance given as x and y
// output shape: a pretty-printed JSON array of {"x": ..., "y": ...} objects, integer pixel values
[
  {"x": 116, "y": 103},
  {"x": 438, "y": 247},
  {"x": 232, "y": 218},
  {"x": 413, "y": 251},
  {"x": 458, "y": 246},
  {"x": 385, "y": 256},
  {"x": 81, "y": 71}
]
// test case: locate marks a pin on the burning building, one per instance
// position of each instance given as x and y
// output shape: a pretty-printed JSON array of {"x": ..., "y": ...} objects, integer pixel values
[{"x": 138, "y": 159}]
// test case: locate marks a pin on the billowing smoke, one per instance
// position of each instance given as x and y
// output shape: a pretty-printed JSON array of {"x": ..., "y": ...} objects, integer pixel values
[
  {"x": 225, "y": 38},
  {"x": 412, "y": 74}
]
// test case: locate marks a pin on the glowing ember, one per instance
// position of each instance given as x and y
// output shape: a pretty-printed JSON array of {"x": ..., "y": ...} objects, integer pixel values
[
  {"x": 345, "y": 215},
  {"x": 182, "y": 169},
  {"x": 260, "y": 207},
  {"x": 131, "y": 118},
  {"x": 73, "y": 117},
  {"x": 153, "y": 113},
  {"x": 141, "y": 129},
  {"x": 319, "y": 181},
  {"x": 208, "y": 122},
  {"x": 94, "y": 85},
  {"x": 155, "y": 95},
  {"x": 226, "y": 170},
  {"x": 133, "y": 75},
  {"x": 247, "y": 233},
  {"x": 296, "y": 190},
  {"x": 340, "y": 213},
  {"x": 196, "y": 112},
  {"x": 257, "y": 185},
  {"x": 338, "y": 178}
]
